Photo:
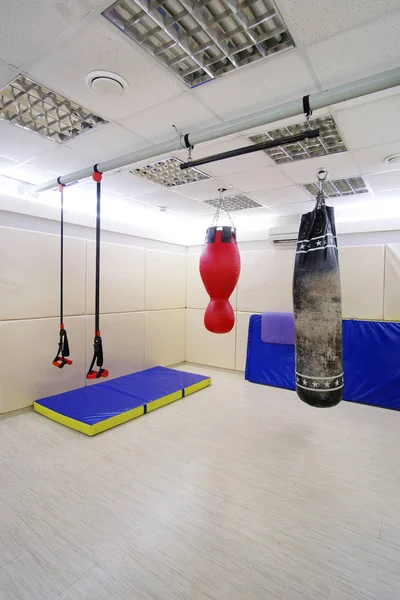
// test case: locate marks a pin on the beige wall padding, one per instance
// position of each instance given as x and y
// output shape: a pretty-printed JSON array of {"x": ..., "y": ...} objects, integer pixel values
[
  {"x": 392, "y": 283},
  {"x": 122, "y": 278},
  {"x": 164, "y": 338},
  {"x": 29, "y": 275},
  {"x": 207, "y": 348},
  {"x": 27, "y": 349},
  {"x": 265, "y": 282},
  {"x": 165, "y": 280},
  {"x": 362, "y": 276}
]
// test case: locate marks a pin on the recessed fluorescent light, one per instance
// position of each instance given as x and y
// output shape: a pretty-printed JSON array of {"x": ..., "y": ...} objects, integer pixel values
[
  {"x": 29, "y": 105},
  {"x": 234, "y": 203},
  {"x": 339, "y": 187},
  {"x": 199, "y": 41},
  {"x": 329, "y": 142},
  {"x": 169, "y": 174}
]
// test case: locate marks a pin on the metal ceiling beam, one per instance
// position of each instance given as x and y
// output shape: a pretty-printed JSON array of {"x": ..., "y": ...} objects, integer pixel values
[{"x": 341, "y": 93}]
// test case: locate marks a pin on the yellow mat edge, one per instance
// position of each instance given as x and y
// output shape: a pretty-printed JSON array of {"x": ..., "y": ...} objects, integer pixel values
[
  {"x": 164, "y": 400},
  {"x": 197, "y": 386},
  {"x": 89, "y": 430}
]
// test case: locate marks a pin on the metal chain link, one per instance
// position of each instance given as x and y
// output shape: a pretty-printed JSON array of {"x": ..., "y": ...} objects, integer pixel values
[{"x": 320, "y": 198}]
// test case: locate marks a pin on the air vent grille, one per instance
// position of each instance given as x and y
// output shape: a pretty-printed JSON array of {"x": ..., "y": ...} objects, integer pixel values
[
  {"x": 168, "y": 173},
  {"x": 339, "y": 187},
  {"x": 235, "y": 203},
  {"x": 201, "y": 40},
  {"x": 29, "y": 105},
  {"x": 329, "y": 142}
]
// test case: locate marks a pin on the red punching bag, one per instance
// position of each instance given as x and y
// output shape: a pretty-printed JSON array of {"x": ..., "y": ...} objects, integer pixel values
[{"x": 219, "y": 270}]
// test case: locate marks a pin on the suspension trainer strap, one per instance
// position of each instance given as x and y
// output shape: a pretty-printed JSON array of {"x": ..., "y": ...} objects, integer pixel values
[
  {"x": 63, "y": 346},
  {"x": 306, "y": 106},
  {"x": 97, "y": 344}
]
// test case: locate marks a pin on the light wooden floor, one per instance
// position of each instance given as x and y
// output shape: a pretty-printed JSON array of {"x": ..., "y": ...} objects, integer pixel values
[{"x": 237, "y": 492}]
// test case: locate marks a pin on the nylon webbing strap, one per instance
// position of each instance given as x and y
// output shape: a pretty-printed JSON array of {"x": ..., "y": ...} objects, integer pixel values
[
  {"x": 61, "y": 358},
  {"x": 97, "y": 344},
  {"x": 306, "y": 106}
]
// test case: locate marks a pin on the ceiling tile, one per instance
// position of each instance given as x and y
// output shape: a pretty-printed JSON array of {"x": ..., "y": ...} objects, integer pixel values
[
  {"x": 185, "y": 111},
  {"x": 340, "y": 202},
  {"x": 7, "y": 73},
  {"x": 7, "y": 165},
  {"x": 166, "y": 198},
  {"x": 204, "y": 190},
  {"x": 126, "y": 184},
  {"x": 370, "y": 124},
  {"x": 285, "y": 195},
  {"x": 30, "y": 174},
  {"x": 315, "y": 19},
  {"x": 20, "y": 144},
  {"x": 298, "y": 208},
  {"x": 372, "y": 160},
  {"x": 357, "y": 53},
  {"x": 62, "y": 160},
  {"x": 107, "y": 141},
  {"x": 258, "y": 179},
  {"x": 26, "y": 26},
  {"x": 267, "y": 83},
  {"x": 305, "y": 171},
  {"x": 382, "y": 182},
  {"x": 193, "y": 208},
  {"x": 102, "y": 46}
]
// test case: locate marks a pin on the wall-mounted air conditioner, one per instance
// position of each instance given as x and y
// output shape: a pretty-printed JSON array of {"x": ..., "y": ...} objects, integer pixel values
[{"x": 283, "y": 236}]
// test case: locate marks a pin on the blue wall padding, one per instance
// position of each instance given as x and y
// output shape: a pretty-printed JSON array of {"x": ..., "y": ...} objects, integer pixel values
[
  {"x": 107, "y": 399},
  {"x": 371, "y": 356}
]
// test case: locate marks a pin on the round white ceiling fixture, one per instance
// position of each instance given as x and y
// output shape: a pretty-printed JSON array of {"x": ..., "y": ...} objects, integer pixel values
[
  {"x": 107, "y": 84},
  {"x": 393, "y": 159}
]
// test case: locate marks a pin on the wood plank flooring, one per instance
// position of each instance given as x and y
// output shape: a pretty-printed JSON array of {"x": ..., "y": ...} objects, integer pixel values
[{"x": 238, "y": 492}]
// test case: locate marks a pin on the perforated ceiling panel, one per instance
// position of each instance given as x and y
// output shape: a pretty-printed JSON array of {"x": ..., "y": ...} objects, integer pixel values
[
  {"x": 232, "y": 203},
  {"x": 168, "y": 173},
  {"x": 29, "y": 105},
  {"x": 329, "y": 142},
  {"x": 200, "y": 40},
  {"x": 339, "y": 187}
]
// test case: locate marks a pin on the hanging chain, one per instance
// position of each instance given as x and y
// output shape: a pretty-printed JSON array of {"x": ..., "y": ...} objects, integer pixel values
[
  {"x": 320, "y": 199},
  {"x": 221, "y": 208}
]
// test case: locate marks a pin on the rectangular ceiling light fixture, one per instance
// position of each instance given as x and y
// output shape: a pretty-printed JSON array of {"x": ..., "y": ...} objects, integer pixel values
[
  {"x": 169, "y": 174},
  {"x": 29, "y": 105},
  {"x": 200, "y": 40},
  {"x": 232, "y": 203},
  {"x": 329, "y": 142},
  {"x": 339, "y": 187}
]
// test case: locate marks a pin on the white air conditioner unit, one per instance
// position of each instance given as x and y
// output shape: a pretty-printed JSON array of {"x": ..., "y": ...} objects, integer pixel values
[{"x": 283, "y": 236}]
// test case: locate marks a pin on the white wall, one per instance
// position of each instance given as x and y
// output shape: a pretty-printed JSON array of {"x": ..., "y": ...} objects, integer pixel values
[{"x": 143, "y": 297}]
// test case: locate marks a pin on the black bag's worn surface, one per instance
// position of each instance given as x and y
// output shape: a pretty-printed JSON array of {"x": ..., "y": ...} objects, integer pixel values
[{"x": 318, "y": 310}]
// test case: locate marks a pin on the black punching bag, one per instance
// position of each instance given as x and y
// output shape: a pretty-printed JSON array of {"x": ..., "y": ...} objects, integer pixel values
[{"x": 318, "y": 309}]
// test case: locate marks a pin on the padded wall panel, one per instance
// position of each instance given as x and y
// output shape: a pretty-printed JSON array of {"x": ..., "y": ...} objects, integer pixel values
[
  {"x": 391, "y": 308},
  {"x": 362, "y": 276},
  {"x": 164, "y": 337},
  {"x": 196, "y": 295},
  {"x": 242, "y": 330},
  {"x": 265, "y": 282},
  {"x": 27, "y": 349},
  {"x": 207, "y": 348},
  {"x": 123, "y": 343},
  {"x": 122, "y": 278},
  {"x": 165, "y": 280},
  {"x": 30, "y": 272}
]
